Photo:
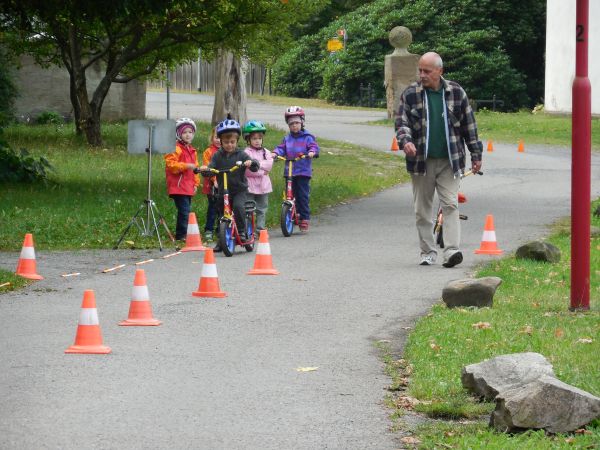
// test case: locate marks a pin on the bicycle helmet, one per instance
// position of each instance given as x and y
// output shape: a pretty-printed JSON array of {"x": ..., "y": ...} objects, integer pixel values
[
  {"x": 182, "y": 124},
  {"x": 228, "y": 125},
  {"x": 253, "y": 126},
  {"x": 294, "y": 111}
]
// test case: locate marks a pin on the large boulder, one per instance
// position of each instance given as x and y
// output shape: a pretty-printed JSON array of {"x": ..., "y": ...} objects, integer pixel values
[
  {"x": 539, "y": 251},
  {"x": 477, "y": 292},
  {"x": 546, "y": 403},
  {"x": 495, "y": 376}
]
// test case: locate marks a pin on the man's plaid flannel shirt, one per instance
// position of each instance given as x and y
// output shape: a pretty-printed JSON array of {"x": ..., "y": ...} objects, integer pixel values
[{"x": 411, "y": 126}]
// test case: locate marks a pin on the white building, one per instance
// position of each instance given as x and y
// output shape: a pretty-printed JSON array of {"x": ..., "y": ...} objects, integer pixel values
[{"x": 560, "y": 54}]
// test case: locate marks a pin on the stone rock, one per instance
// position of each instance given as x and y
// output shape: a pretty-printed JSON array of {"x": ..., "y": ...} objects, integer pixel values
[
  {"x": 594, "y": 232},
  {"x": 539, "y": 251},
  {"x": 477, "y": 292},
  {"x": 495, "y": 376},
  {"x": 546, "y": 403},
  {"x": 597, "y": 211}
]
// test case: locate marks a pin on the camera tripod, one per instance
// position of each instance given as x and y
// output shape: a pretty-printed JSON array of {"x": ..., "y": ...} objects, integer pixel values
[{"x": 153, "y": 217}]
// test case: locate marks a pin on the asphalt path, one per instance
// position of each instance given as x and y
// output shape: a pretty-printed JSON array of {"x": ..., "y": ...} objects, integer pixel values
[{"x": 223, "y": 373}]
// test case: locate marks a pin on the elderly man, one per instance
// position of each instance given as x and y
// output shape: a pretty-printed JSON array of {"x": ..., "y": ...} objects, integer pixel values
[{"x": 433, "y": 124}]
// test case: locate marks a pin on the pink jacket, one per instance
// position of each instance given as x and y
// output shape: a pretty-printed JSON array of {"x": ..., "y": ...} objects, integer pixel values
[{"x": 259, "y": 182}]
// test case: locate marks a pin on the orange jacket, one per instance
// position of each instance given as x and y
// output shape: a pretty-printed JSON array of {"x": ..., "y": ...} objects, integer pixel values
[
  {"x": 206, "y": 157},
  {"x": 181, "y": 180}
]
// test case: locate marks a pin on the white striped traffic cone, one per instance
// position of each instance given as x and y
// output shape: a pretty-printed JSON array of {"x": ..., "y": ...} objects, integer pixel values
[
  {"x": 88, "y": 338},
  {"x": 263, "y": 263},
  {"x": 140, "y": 310},
  {"x": 488, "y": 240},
  {"x": 209, "y": 280},
  {"x": 193, "y": 241},
  {"x": 26, "y": 266}
]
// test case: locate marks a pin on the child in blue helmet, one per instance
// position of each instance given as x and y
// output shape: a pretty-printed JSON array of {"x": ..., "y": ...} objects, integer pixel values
[
  {"x": 229, "y": 131},
  {"x": 299, "y": 142}
]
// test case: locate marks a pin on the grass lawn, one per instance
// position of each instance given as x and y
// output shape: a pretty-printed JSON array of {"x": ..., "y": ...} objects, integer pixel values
[
  {"x": 530, "y": 314},
  {"x": 95, "y": 192},
  {"x": 540, "y": 128}
]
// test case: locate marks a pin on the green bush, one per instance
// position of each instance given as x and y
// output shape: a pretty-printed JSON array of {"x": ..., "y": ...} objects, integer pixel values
[
  {"x": 8, "y": 90},
  {"x": 21, "y": 166},
  {"x": 467, "y": 34},
  {"x": 49, "y": 117}
]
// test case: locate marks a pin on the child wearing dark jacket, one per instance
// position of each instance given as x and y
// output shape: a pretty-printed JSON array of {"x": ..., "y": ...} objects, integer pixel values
[{"x": 226, "y": 157}]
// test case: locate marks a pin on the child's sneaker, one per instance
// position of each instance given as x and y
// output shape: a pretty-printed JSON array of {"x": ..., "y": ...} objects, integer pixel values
[{"x": 303, "y": 225}]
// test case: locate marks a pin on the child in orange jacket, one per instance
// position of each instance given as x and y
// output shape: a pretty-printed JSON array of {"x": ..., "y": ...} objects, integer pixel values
[
  {"x": 182, "y": 183},
  {"x": 209, "y": 186}
]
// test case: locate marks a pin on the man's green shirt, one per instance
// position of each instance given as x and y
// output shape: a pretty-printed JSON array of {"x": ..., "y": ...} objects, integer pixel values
[{"x": 438, "y": 147}]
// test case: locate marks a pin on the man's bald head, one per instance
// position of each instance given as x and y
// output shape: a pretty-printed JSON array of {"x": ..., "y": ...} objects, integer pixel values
[{"x": 431, "y": 68}]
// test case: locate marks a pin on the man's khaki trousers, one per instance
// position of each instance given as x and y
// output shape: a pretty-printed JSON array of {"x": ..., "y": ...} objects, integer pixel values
[{"x": 439, "y": 177}]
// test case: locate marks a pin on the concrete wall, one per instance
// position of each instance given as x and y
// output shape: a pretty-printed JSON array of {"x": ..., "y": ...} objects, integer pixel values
[
  {"x": 48, "y": 89},
  {"x": 560, "y": 54}
]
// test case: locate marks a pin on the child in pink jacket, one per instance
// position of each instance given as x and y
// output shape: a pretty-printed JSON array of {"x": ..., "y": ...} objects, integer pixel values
[{"x": 259, "y": 183}]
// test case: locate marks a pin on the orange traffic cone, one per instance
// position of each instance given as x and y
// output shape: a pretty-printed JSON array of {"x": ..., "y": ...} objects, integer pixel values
[
  {"x": 209, "y": 280},
  {"x": 26, "y": 267},
  {"x": 88, "y": 338},
  {"x": 263, "y": 263},
  {"x": 395, "y": 146},
  {"x": 521, "y": 148},
  {"x": 140, "y": 310},
  {"x": 193, "y": 242},
  {"x": 490, "y": 146},
  {"x": 488, "y": 241}
]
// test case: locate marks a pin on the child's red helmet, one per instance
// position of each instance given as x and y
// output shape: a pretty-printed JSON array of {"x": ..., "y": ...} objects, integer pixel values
[{"x": 294, "y": 111}]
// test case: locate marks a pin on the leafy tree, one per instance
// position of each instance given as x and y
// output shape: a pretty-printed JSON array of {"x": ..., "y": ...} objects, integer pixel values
[
  {"x": 473, "y": 37},
  {"x": 8, "y": 90},
  {"x": 131, "y": 38}
]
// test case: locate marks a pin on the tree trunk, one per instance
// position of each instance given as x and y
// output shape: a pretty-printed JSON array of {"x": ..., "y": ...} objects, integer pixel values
[
  {"x": 75, "y": 104},
  {"x": 230, "y": 88}
]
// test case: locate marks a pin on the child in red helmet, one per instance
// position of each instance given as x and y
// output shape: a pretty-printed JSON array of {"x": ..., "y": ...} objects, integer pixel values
[
  {"x": 182, "y": 183},
  {"x": 299, "y": 142}
]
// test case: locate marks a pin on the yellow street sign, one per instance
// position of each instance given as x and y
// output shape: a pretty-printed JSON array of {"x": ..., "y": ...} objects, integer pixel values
[{"x": 333, "y": 45}]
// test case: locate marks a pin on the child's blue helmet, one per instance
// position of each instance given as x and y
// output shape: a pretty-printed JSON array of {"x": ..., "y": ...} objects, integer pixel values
[{"x": 228, "y": 125}]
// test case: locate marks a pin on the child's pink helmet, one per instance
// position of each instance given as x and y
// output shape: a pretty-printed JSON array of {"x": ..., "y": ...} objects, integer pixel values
[{"x": 294, "y": 111}]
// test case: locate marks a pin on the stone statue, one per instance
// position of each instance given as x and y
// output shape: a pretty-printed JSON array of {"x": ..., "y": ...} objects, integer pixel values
[{"x": 401, "y": 68}]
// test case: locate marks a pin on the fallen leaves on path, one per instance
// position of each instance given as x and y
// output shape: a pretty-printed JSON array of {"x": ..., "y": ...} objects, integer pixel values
[
  {"x": 306, "y": 369},
  {"x": 482, "y": 325}
]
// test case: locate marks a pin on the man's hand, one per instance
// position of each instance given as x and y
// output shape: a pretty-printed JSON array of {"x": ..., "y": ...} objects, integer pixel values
[
  {"x": 410, "y": 149},
  {"x": 311, "y": 154},
  {"x": 475, "y": 166},
  {"x": 191, "y": 166},
  {"x": 248, "y": 163}
]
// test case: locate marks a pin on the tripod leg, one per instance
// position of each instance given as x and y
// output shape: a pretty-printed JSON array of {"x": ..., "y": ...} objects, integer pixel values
[
  {"x": 151, "y": 208},
  {"x": 131, "y": 222}
]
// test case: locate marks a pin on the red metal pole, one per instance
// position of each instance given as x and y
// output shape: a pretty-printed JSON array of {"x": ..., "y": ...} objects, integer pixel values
[{"x": 581, "y": 166}]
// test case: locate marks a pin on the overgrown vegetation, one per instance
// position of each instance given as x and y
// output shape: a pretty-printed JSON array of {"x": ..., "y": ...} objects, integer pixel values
[
  {"x": 94, "y": 192},
  {"x": 487, "y": 46},
  {"x": 530, "y": 314},
  {"x": 21, "y": 166}
]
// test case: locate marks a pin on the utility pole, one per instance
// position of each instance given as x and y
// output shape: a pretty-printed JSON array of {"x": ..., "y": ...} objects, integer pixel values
[{"x": 581, "y": 165}]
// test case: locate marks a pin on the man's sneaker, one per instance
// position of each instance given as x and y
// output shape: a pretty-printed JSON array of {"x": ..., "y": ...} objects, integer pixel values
[
  {"x": 303, "y": 225},
  {"x": 427, "y": 260},
  {"x": 208, "y": 235},
  {"x": 455, "y": 258}
]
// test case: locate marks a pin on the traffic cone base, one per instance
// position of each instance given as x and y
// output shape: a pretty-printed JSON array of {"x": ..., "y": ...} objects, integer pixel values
[
  {"x": 490, "y": 146},
  {"x": 193, "y": 241},
  {"x": 209, "y": 279},
  {"x": 521, "y": 147},
  {"x": 88, "y": 338},
  {"x": 26, "y": 267},
  {"x": 140, "y": 310},
  {"x": 263, "y": 263},
  {"x": 488, "y": 240}
]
